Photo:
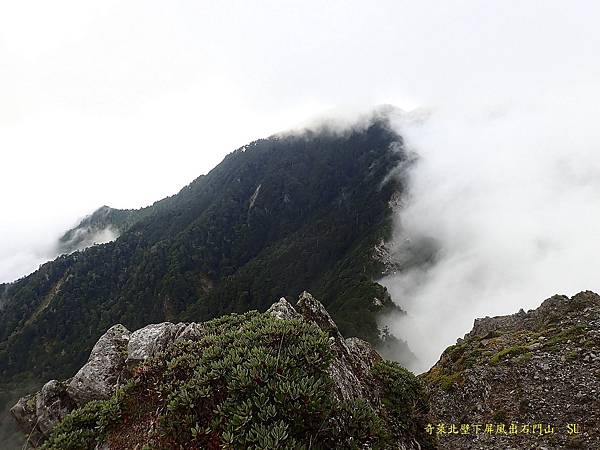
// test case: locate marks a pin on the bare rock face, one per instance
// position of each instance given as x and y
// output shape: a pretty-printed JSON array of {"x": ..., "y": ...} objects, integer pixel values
[
  {"x": 313, "y": 311},
  {"x": 155, "y": 338},
  {"x": 190, "y": 332},
  {"x": 98, "y": 378},
  {"x": 540, "y": 367},
  {"x": 52, "y": 404},
  {"x": 363, "y": 354}
]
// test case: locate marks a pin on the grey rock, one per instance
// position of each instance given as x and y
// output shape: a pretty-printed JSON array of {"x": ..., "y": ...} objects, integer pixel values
[
  {"x": 190, "y": 332},
  {"x": 150, "y": 340},
  {"x": 363, "y": 355},
  {"x": 24, "y": 412},
  {"x": 345, "y": 369},
  {"x": 52, "y": 404},
  {"x": 313, "y": 311},
  {"x": 353, "y": 358},
  {"x": 549, "y": 386},
  {"x": 39, "y": 413},
  {"x": 98, "y": 378},
  {"x": 283, "y": 310}
]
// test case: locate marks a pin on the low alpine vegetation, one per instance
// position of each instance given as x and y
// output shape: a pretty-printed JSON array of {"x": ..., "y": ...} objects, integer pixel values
[{"x": 251, "y": 381}]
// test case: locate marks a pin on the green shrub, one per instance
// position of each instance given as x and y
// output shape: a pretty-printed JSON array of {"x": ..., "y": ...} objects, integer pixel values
[
  {"x": 508, "y": 353},
  {"x": 251, "y": 381},
  {"x": 403, "y": 396},
  {"x": 83, "y": 428},
  {"x": 448, "y": 382}
]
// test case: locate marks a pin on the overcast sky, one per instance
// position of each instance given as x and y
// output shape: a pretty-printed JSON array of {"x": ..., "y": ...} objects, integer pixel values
[{"x": 123, "y": 103}]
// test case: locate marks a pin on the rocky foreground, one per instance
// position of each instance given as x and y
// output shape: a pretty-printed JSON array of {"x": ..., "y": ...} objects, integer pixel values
[
  {"x": 525, "y": 381},
  {"x": 286, "y": 379}
]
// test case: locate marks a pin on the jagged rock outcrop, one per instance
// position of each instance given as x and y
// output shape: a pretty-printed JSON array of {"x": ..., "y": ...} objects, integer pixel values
[
  {"x": 97, "y": 379},
  {"x": 533, "y": 377},
  {"x": 349, "y": 367},
  {"x": 525, "y": 381},
  {"x": 119, "y": 353}
]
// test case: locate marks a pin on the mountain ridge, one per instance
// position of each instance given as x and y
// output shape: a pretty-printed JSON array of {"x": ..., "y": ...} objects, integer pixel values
[{"x": 222, "y": 245}]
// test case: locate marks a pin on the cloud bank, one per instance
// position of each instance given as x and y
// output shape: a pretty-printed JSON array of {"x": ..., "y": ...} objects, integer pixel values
[{"x": 503, "y": 211}]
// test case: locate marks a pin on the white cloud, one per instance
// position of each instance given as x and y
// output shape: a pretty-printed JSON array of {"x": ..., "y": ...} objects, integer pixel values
[
  {"x": 511, "y": 199},
  {"x": 123, "y": 103}
]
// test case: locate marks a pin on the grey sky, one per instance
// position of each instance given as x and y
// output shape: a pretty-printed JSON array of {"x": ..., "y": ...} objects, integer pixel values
[{"x": 122, "y": 103}]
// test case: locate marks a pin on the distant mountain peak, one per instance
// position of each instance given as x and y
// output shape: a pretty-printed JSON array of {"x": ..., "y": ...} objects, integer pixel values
[{"x": 104, "y": 225}]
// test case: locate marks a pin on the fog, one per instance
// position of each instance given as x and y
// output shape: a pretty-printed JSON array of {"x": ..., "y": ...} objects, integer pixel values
[
  {"x": 123, "y": 104},
  {"x": 502, "y": 212}
]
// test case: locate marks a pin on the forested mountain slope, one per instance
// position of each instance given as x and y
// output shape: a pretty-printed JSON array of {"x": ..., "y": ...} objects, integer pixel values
[
  {"x": 277, "y": 216},
  {"x": 104, "y": 225}
]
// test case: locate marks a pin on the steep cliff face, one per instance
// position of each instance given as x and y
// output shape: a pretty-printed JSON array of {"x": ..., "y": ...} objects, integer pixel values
[
  {"x": 283, "y": 379},
  {"x": 525, "y": 381}
]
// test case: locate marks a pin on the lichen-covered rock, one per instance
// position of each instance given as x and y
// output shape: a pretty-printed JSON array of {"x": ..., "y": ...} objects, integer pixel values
[
  {"x": 98, "y": 378},
  {"x": 52, "y": 404},
  {"x": 283, "y": 310},
  {"x": 190, "y": 332},
  {"x": 313, "y": 311},
  {"x": 353, "y": 357},
  {"x": 346, "y": 370},
  {"x": 364, "y": 356},
  {"x": 538, "y": 367},
  {"x": 24, "y": 413},
  {"x": 148, "y": 341},
  {"x": 39, "y": 413}
]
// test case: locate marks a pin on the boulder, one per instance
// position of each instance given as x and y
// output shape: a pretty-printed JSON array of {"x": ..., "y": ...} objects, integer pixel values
[
  {"x": 150, "y": 340},
  {"x": 39, "y": 413},
  {"x": 99, "y": 377},
  {"x": 348, "y": 368}
]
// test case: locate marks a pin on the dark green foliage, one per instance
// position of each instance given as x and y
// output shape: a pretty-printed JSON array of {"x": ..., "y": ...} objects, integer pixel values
[
  {"x": 216, "y": 248},
  {"x": 83, "y": 428},
  {"x": 403, "y": 395},
  {"x": 209, "y": 250},
  {"x": 252, "y": 381}
]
